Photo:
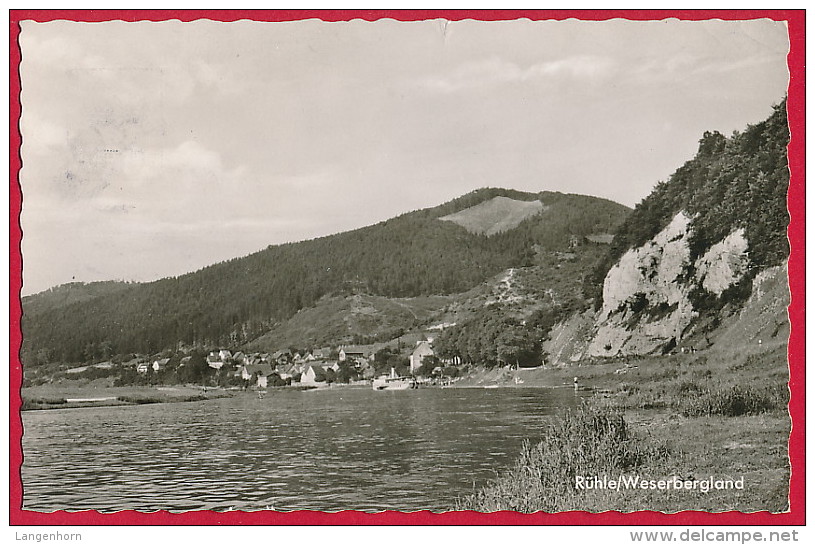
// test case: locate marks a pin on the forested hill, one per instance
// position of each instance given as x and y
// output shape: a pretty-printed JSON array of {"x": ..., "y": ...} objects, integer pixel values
[
  {"x": 73, "y": 292},
  {"x": 233, "y": 302},
  {"x": 733, "y": 182}
]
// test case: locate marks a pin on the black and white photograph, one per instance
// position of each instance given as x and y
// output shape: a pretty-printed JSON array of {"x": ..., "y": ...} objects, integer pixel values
[{"x": 387, "y": 265}]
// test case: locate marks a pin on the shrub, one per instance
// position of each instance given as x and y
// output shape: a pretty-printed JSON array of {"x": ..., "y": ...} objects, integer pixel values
[
  {"x": 41, "y": 403},
  {"x": 139, "y": 400},
  {"x": 736, "y": 401}
]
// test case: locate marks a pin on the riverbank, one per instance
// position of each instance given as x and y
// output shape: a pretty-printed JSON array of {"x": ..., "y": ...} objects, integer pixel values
[
  {"x": 68, "y": 396},
  {"x": 715, "y": 419},
  {"x": 654, "y": 446}
]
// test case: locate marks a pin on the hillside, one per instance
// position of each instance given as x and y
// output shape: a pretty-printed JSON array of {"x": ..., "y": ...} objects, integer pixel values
[
  {"x": 238, "y": 301},
  {"x": 352, "y": 319},
  {"x": 67, "y": 294}
]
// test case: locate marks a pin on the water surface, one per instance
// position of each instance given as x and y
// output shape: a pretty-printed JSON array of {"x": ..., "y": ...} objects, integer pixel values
[{"x": 329, "y": 450}]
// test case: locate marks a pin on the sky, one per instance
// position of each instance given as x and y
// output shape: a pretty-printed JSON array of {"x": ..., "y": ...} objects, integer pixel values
[{"x": 155, "y": 149}]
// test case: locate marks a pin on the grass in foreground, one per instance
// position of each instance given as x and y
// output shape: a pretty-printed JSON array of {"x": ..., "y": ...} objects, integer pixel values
[
  {"x": 592, "y": 441},
  {"x": 650, "y": 445}
]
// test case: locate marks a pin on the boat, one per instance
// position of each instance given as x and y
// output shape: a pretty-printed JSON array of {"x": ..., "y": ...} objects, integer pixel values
[{"x": 394, "y": 382}]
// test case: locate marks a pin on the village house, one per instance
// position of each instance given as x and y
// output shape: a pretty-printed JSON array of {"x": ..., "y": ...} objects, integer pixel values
[
  {"x": 422, "y": 350},
  {"x": 312, "y": 374},
  {"x": 253, "y": 359},
  {"x": 286, "y": 372},
  {"x": 214, "y": 360},
  {"x": 158, "y": 365},
  {"x": 321, "y": 353},
  {"x": 354, "y": 353},
  {"x": 261, "y": 370},
  {"x": 282, "y": 356},
  {"x": 142, "y": 368}
]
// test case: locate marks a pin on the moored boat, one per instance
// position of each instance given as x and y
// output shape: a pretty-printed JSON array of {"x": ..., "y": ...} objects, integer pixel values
[{"x": 394, "y": 382}]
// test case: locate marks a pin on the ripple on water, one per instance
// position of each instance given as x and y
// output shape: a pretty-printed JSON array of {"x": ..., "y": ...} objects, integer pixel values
[{"x": 355, "y": 449}]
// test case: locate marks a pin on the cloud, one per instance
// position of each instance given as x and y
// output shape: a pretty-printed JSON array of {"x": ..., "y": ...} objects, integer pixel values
[
  {"x": 495, "y": 71},
  {"x": 95, "y": 63},
  {"x": 42, "y": 136}
]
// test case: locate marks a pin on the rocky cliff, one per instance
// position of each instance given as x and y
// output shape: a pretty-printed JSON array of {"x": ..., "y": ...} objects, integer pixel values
[
  {"x": 647, "y": 294},
  {"x": 692, "y": 252},
  {"x": 648, "y": 300}
]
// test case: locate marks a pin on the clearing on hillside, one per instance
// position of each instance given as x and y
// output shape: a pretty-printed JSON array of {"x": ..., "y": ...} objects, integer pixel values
[{"x": 495, "y": 215}]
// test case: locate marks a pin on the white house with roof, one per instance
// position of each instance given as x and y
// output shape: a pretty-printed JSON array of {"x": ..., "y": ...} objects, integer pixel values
[
  {"x": 214, "y": 360},
  {"x": 423, "y": 349},
  {"x": 158, "y": 365},
  {"x": 312, "y": 374}
]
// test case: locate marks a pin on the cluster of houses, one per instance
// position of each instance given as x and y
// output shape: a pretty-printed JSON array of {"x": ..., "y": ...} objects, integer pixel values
[
  {"x": 309, "y": 368},
  {"x": 156, "y": 365}
]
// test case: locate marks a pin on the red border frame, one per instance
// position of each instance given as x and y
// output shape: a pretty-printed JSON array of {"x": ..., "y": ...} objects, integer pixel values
[{"x": 796, "y": 351}]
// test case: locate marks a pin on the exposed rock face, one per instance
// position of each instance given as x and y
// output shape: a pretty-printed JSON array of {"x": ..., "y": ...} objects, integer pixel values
[
  {"x": 569, "y": 340},
  {"x": 763, "y": 321},
  {"x": 724, "y": 263},
  {"x": 646, "y": 305}
]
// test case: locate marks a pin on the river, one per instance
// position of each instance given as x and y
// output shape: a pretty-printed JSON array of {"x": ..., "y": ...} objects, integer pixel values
[{"x": 329, "y": 450}]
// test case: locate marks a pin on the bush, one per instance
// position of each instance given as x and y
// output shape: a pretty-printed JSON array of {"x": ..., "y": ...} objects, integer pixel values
[
  {"x": 41, "y": 403},
  {"x": 139, "y": 400},
  {"x": 736, "y": 401}
]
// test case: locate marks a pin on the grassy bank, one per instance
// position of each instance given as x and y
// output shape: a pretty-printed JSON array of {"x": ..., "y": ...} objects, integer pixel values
[
  {"x": 660, "y": 419},
  {"x": 73, "y": 396}
]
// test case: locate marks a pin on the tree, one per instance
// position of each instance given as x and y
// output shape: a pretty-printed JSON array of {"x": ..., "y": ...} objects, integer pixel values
[
  {"x": 346, "y": 373},
  {"x": 518, "y": 346},
  {"x": 426, "y": 368},
  {"x": 196, "y": 370}
]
